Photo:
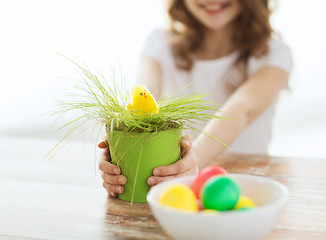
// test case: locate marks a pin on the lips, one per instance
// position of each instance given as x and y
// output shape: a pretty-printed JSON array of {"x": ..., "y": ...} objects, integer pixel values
[{"x": 213, "y": 7}]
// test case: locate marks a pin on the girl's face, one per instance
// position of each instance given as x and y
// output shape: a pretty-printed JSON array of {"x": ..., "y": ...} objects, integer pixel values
[{"x": 214, "y": 14}]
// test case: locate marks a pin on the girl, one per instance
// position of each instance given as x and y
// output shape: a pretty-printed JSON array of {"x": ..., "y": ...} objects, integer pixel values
[{"x": 223, "y": 46}]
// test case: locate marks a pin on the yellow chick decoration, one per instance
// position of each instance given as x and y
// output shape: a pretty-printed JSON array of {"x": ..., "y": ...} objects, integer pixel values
[{"x": 142, "y": 101}]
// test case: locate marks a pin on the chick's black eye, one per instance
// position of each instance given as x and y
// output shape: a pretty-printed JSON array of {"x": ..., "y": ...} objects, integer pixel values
[{"x": 141, "y": 94}]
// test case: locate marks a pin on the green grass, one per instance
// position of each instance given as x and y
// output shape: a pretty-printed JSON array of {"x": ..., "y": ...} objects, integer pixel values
[{"x": 105, "y": 99}]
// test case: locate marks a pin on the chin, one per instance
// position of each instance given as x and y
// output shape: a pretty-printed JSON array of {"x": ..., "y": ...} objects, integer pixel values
[{"x": 217, "y": 25}]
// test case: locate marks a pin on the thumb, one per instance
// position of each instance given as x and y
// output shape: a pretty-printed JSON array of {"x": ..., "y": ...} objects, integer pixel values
[
  {"x": 103, "y": 144},
  {"x": 186, "y": 143}
]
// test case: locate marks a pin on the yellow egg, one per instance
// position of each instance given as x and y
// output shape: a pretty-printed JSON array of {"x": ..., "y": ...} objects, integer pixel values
[
  {"x": 244, "y": 202},
  {"x": 209, "y": 212},
  {"x": 179, "y": 196}
]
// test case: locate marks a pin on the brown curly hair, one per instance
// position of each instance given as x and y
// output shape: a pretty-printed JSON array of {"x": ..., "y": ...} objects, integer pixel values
[{"x": 252, "y": 26}]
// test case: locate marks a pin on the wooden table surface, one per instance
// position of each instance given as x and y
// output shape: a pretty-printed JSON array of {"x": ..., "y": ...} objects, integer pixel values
[{"x": 63, "y": 198}]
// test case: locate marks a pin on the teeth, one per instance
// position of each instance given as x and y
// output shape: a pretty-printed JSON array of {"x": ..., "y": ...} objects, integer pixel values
[{"x": 213, "y": 7}]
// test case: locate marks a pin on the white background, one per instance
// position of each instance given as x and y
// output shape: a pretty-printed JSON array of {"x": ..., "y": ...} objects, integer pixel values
[{"x": 100, "y": 32}]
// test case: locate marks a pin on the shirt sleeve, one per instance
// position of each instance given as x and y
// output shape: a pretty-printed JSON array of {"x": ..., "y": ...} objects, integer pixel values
[
  {"x": 154, "y": 45},
  {"x": 279, "y": 55}
]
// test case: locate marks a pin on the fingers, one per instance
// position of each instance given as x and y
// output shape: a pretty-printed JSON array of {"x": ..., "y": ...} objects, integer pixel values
[
  {"x": 107, "y": 167},
  {"x": 153, "y": 180},
  {"x": 185, "y": 164},
  {"x": 103, "y": 144},
  {"x": 113, "y": 184},
  {"x": 186, "y": 144},
  {"x": 114, "y": 179},
  {"x": 113, "y": 190}
]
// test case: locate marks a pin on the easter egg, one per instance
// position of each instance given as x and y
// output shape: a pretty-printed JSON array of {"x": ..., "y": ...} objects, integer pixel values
[
  {"x": 243, "y": 209},
  {"x": 220, "y": 193},
  {"x": 244, "y": 203},
  {"x": 205, "y": 174},
  {"x": 199, "y": 204},
  {"x": 209, "y": 212},
  {"x": 179, "y": 196}
]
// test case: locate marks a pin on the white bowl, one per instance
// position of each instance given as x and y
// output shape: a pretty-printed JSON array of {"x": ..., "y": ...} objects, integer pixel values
[{"x": 269, "y": 196}]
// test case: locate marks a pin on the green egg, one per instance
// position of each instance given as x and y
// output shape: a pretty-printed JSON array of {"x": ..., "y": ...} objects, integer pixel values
[
  {"x": 220, "y": 193},
  {"x": 244, "y": 209}
]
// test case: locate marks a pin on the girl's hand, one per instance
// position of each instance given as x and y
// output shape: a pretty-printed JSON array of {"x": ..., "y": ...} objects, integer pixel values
[
  {"x": 187, "y": 165},
  {"x": 111, "y": 174}
]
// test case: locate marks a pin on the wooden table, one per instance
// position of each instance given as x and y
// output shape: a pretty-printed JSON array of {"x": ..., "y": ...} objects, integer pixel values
[{"x": 63, "y": 198}]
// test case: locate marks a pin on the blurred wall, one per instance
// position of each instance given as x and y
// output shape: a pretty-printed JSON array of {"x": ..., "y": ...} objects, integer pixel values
[
  {"x": 97, "y": 33},
  {"x": 300, "y": 125}
]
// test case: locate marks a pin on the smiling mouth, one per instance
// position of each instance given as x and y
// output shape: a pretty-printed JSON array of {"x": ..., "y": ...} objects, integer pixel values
[{"x": 214, "y": 7}]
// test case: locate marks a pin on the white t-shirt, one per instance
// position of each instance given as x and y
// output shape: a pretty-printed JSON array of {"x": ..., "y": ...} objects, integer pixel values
[{"x": 209, "y": 76}]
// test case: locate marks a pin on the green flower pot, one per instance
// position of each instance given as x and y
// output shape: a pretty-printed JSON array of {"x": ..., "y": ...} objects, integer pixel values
[{"x": 137, "y": 154}]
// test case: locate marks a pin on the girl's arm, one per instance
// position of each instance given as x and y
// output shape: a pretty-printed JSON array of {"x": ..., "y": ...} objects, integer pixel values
[
  {"x": 253, "y": 97},
  {"x": 244, "y": 105}
]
